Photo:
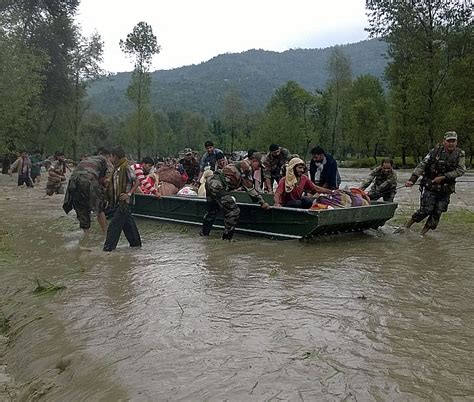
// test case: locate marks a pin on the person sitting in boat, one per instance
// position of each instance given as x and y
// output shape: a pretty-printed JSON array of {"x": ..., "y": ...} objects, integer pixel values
[
  {"x": 221, "y": 161},
  {"x": 142, "y": 171},
  {"x": 384, "y": 181},
  {"x": 231, "y": 177},
  {"x": 292, "y": 188}
]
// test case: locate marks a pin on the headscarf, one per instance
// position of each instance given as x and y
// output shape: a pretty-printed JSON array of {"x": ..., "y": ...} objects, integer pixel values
[{"x": 290, "y": 179}]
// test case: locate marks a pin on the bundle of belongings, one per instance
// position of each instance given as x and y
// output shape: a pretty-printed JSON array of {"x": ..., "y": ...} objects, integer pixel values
[
  {"x": 353, "y": 197},
  {"x": 167, "y": 180}
]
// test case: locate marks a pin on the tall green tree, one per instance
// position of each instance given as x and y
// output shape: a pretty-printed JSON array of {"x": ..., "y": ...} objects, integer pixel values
[
  {"x": 340, "y": 77},
  {"x": 233, "y": 114},
  {"x": 367, "y": 116},
  {"x": 85, "y": 66},
  {"x": 426, "y": 39},
  {"x": 142, "y": 45}
]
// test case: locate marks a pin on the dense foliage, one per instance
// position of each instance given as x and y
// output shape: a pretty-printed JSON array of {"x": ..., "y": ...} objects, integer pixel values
[{"x": 393, "y": 95}]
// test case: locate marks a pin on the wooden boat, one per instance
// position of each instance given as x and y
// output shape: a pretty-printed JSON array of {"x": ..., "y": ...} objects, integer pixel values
[{"x": 284, "y": 223}]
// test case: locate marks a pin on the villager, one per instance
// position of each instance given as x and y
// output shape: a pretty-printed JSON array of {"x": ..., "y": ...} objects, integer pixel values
[
  {"x": 120, "y": 189},
  {"x": 86, "y": 190},
  {"x": 326, "y": 166},
  {"x": 190, "y": 165},
  {"x": 231, "y": 177},
  {"x": 57, "y": 175},
  {"x": 142, "y": 170},
  {"x": 36, "y": 163},
  {"x": 209, "y": 158},
  {"x": 23, "y": 166},
  {"x": 221, "y": 161},
  {"x": 384, "y": 181},
  {"x": 273, "y": 164},
  {"x": 292, "y": 188},
  {"x": 440, "y": 168}
]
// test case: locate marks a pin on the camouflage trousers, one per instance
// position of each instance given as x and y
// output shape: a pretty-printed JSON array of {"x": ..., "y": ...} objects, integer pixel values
[
  {"x": 387, "y": 196},
  {"x": 432, "y": 205},
  {"x": 218, "y": 199},
  {"x": 55, "y": 187}
]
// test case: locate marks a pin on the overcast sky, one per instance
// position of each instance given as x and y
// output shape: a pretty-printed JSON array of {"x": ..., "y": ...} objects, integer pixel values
[{"x": 193, "y": 31}]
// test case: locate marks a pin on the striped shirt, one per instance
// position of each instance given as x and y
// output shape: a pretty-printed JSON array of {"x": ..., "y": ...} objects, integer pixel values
[{"x": 145, "y": 185}]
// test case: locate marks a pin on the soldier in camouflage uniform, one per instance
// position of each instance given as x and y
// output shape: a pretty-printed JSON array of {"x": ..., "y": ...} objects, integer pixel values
[
  {"x": 439, "y": 169},
  {"x": 56, "y": 175},
  {"x": 85, "y": 190},
  {"x": 384, "y": 181},
  {"x": 276, "y": 158},
  {"x": 231, "y": 177}
]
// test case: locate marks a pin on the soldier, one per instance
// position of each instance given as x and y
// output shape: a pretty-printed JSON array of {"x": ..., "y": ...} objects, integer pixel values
[
  {"x": 85, "y": 190},
  {"x": 276, "y": 158},
  {"x": 385, "y": 182},
  {"x": 190, "y": 165},
  {"x": 439, "y": 169},
  {"x": 231, "y": 177},
  {"x": 57, "y": 175}
]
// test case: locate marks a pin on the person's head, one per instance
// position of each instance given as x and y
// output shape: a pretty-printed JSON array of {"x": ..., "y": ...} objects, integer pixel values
[
  {"x": 209, "y": 145},
  {"x": 37, "y": 152},
  {"x": 60, "y": 156},
  {"x": 256, "y": 160},
  {"x": 450, "y": 140},
  {"x": 318, "y": 154},
  {"x": 299, "y": 169},
  {"x": 250, "y": 152},
  {"x": 23, "y": 153},
  {"x": 188, "y": 153},
  {"x": 117, "y": 153},
  {"x": 274, "y": 149},
  {"x": 387, "y": 165},
  {"x": 221, "y": 160},
  {"x": 147, "y": 164}
]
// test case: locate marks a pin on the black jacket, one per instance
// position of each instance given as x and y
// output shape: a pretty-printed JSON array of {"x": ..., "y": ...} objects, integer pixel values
[{"x": 329, "y": 175}]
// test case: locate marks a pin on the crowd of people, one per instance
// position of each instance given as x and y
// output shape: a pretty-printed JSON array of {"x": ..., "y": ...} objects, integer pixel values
[{"x": 106, "y": 182}]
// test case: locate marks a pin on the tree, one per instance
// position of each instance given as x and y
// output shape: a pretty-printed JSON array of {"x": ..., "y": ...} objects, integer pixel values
[
  {"x": 85, "y": 67},
  {"x": 339, "y": 68},
  {"x": 367, "y": 115},
  {"x": 426, "y": 39},
  {"x": 141, "y": 44},
  {"x": 233, "y": 115}
]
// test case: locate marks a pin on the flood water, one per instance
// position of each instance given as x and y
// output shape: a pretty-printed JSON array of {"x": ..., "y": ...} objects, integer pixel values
[{"x": 361, "y": 316}]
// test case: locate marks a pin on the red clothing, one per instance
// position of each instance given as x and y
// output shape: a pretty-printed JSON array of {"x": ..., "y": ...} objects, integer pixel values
[
  {"x": 147, "y": 186},
  {"x": 304, "y": 185}
]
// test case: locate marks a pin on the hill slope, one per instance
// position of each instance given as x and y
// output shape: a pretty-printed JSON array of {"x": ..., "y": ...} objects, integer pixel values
[{"x": 255, "y": 74}]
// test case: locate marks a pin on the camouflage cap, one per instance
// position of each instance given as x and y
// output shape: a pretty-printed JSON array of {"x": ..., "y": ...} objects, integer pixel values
[{"x": 450, "y": 135}]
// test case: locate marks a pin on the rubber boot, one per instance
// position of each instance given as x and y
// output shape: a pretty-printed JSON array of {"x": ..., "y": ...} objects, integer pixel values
[
  {"x": 206, "y": 228},
  {"x": 228, "y": 234}
]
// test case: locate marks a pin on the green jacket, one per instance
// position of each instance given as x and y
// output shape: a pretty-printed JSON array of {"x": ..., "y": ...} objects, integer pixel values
[
  {"x": 383, "y": 182},
  {"x": 439, "y": 162}
]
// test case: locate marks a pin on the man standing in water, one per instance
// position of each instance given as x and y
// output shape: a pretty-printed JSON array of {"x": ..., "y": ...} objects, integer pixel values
[
  {"x": 231, "y": 177},
  {"x": 23, "y": 166},
  {"x": 439, "y": 169},
  {"x": 85, "y": 190},
  {"x": 384, "y": 181},
  {"x": 120, "y": 189}
]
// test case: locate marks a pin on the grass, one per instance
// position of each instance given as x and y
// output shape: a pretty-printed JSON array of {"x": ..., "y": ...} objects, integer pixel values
[
  {"x": 45, "y": 287},
  {"x": 461, "y": 218},
  {"x": 4, "y": 323},
  {"x": 6, "y": 246}
]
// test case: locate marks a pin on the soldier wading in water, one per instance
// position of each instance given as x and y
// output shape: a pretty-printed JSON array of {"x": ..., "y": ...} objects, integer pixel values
[
  {"x": 231, "y": 177},
  {"x": 439, "y": 169}
]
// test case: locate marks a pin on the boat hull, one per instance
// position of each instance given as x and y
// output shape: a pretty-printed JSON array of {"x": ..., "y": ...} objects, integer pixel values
[{"x": 285, "y": 223}]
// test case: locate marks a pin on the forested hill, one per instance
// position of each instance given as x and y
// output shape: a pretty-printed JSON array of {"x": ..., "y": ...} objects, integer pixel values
[{"x": 255, "y": 74}]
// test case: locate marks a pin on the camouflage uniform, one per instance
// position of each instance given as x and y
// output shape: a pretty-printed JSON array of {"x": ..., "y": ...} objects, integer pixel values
[
  {"x": 85, "y": 192},
  {"x": 384, "y": 184},
  {"x": 231, "y": 177},
  {"x": 435, "y": 197},
  {"x": 272, "y": 166},
  {"x": 56, "y": 178}
]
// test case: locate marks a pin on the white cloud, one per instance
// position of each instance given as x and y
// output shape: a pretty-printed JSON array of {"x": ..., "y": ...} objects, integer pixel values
[{"x": 192, "y": 31}]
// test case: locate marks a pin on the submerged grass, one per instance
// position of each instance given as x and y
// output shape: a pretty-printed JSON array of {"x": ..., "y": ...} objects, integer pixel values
[
  {"x": 461, "y": 218},
  {"x": 6, "y": 246},
  {"x": 4, "y": 323},
  {"x": 45, "y": 287}
]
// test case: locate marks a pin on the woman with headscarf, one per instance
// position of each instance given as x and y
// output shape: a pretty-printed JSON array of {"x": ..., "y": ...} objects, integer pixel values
[{"x": 292, "y": 188}]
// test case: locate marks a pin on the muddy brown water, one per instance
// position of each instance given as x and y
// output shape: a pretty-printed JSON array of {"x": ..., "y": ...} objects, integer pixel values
[{"x": 365, "y": 316}]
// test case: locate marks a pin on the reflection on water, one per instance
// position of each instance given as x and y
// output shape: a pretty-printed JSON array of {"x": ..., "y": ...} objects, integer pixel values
[{"x": 356, "y": 316}]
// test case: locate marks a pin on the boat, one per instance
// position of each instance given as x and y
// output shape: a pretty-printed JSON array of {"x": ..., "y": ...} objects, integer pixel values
[{"x": 281, "y": 223}]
